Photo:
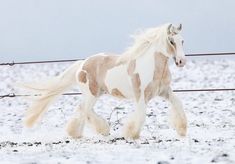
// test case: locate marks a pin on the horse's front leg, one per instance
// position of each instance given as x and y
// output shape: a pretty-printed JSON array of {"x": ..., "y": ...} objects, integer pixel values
[
  {"x": 135, "y": 122},
  {"x": 177, "y": 116}
]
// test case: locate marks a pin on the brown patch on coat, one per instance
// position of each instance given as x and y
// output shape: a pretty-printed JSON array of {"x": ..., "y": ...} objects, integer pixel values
[
  {"x": 131, "y": 67},
  {"x": 149, "y": 91},
  {"x": 96, "y": 68},
  {"x": 135, "y": 79},
  {"x": 161, "y": 76},
  {"x": 116, "y": 93},
  {"x": 82, "y": 77}
]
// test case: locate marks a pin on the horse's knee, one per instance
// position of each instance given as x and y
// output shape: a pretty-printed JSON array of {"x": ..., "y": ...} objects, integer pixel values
[{"x": 75, "y": 127}]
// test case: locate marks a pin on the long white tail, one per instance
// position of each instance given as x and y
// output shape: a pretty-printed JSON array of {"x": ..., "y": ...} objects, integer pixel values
[{"x": 49, "y": 91}]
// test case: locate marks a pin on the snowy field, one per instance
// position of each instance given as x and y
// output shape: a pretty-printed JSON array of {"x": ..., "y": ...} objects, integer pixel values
[{"x": 211, "y": 122}]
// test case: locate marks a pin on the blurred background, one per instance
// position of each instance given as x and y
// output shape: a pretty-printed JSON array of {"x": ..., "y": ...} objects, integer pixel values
[{"x": 70, "y": 29}]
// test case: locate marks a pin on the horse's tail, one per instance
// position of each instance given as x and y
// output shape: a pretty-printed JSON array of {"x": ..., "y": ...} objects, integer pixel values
[{"x": 49, "y": 92}]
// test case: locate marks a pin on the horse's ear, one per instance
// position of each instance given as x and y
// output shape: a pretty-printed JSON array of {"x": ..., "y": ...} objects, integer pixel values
[
  {"x": 169, "y": 29},
  {"x": 180, "y": 27}
]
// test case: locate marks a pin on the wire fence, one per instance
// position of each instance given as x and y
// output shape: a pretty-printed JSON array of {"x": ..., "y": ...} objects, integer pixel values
[
  {"x": 72, "y": 60},
  {"x": 12, "y": 95}
]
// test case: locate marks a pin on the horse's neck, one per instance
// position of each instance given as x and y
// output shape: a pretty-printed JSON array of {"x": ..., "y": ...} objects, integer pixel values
[
  {"x": 158, "y": 59},
  {"x": 162, "y": 73},
  {"x": 145, "y": 68},
  {"x": 147, "y": 61},
  {"x": 151, "y": 62},
  {"x": 161, "y": 61}
]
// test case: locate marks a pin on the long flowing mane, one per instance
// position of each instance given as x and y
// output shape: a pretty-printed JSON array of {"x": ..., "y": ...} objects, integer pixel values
[{"x": 143, "y": 41}]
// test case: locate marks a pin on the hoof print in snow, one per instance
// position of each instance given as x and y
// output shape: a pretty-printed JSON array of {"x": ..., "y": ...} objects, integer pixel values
[
  {"x": 220, "y": 158},
  {"x": 195, "y": 140},
  {"x": 67, "y": 141}
]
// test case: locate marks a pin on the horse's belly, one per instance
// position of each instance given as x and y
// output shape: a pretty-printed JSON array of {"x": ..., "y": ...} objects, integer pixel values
[{"x": 118, "y": 81}]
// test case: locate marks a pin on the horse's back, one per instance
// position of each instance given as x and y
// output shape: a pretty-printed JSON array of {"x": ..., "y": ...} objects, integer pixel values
[{"x": 104, "y": 74}]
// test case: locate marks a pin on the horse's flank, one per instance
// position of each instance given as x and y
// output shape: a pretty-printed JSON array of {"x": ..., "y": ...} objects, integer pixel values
[{"x": 95, "y": 69}]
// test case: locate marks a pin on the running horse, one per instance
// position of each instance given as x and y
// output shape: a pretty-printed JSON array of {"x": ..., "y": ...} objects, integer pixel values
[{"x": 140, "y": 73}]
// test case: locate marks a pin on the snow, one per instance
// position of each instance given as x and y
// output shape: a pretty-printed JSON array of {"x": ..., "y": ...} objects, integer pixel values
[{"x": 211, "y": 121}]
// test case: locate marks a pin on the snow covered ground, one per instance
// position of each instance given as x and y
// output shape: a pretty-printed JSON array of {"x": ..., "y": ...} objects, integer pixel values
[{"x": 211, "y": 122}]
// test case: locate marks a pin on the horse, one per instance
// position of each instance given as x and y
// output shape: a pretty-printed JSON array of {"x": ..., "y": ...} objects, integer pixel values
[{"x": 139, "y": 74}]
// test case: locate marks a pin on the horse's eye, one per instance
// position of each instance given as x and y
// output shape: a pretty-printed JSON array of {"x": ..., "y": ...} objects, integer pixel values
[{"x": 171, "y": 40}]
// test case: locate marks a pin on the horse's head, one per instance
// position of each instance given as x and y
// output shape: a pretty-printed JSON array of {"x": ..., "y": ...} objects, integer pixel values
[{"x": 175, "y": 44}]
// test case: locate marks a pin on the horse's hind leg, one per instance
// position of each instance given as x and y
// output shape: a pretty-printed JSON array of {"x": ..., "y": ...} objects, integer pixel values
[
  {"x": 177, "y": 116},
  {"x": 85, "y": 112},
  {"x": 98, "y": 123},
  {"x": 76, "y": 125}
]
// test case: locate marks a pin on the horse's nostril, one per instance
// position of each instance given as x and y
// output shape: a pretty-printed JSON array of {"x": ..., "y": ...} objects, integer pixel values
[{"x": 180, "y": 62}]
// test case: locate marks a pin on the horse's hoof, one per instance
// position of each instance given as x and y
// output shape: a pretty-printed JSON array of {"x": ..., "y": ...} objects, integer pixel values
[
  {"x": 182, "y": 130},
  {"x": 131, "y": 132},
  {"x": 74, "y": 133},
  {"x": 75, "y": 128},
  {"x": 131, "y": 136},
  {"x": 104, "y": 131},
  {"x": 75, "y": 136},
  {"x": 180, "y": 125},
  {"x": 103, "y": 128}
]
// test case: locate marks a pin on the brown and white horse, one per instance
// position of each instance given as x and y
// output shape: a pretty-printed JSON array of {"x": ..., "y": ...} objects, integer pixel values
[{"x": 140, "y": 74}]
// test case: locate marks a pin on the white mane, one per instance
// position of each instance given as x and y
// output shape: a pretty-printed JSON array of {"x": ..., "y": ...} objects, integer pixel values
[{"x": 144, "y": 40}]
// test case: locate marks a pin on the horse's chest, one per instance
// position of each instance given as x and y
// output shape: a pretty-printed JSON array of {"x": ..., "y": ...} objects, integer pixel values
[
  {"x": 160, "y": 80},
  {"x": 162, "y": 75}
]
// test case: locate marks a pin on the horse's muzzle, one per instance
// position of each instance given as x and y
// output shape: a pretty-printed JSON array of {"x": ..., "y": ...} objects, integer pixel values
[{"x": 180, "y": 62}]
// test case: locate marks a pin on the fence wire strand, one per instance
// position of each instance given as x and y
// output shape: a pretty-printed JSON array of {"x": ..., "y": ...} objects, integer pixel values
[
  {"x": 12, "y": 95},
  {"x": 72, "y": 60}
]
